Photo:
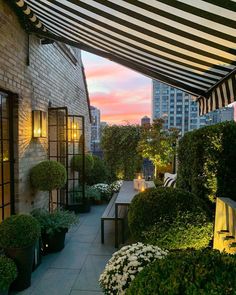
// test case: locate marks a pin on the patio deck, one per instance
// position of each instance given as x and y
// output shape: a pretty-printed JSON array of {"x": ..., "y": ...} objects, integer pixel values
[{"x": 76, "y": 269}]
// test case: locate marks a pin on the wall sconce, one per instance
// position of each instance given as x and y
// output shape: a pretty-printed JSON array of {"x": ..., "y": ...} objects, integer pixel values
[
  {"x": 73, "y": 131},
  {"x": 39, "y": 124}
]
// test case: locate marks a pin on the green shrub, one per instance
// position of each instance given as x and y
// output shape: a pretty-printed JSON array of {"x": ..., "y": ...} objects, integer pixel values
[
  {"x": 93, "y": 193},
  {"x": 207, "y": 161},
  {"x": 8, "y": 272},
  {"x": 54, "y": 221},
  {"x": 99, "y": 172},
  {"x": 48, "y": 175},
  {"x": 164, "y": 202},
  {"x": 189, "y": 272},
  {"x": 19, "y": 231},
  {"x": 77, "y": 164},
  {"x": 187, "y": 230}
]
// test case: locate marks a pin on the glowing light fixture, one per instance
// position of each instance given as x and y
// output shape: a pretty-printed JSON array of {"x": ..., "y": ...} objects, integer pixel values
[{"x": 39, "y": 124}]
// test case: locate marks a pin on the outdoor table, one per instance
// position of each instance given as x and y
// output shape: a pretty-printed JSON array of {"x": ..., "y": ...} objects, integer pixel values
[{"x": 124, "y": 198}]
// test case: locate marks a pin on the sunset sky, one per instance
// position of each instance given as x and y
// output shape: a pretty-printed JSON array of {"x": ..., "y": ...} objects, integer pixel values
[{"x": 122, "y": 95}]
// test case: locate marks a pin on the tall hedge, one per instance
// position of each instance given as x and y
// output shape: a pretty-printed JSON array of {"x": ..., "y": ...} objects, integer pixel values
[{"x": 207, "y": 161}]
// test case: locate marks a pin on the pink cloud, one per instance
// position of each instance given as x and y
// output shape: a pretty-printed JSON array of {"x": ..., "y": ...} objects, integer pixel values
[{"x": 122, "y": 95}]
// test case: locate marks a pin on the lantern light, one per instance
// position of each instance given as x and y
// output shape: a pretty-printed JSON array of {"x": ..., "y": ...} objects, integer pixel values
[{"x": 39, "y": 124}]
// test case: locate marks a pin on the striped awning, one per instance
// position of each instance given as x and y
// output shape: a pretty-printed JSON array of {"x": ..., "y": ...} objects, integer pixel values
[{"x": 188, "y": 44}]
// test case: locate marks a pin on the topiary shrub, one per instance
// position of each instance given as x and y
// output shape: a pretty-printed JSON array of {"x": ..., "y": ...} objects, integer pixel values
[
  {"x": 125, "y": 264},
  {"x": 19, "y": 231},
  {"x": 187, "y": 230},
  {"x": 77, "y": 164},
  {"x": 48, "y": 175},
  {"x": 164, "y": 202},
  {"x": 8, "y": 272},
  {"x": 202, "y": 272}
]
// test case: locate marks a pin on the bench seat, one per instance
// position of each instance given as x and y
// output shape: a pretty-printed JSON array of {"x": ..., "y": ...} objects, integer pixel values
[{"x": 109, "y": 214}]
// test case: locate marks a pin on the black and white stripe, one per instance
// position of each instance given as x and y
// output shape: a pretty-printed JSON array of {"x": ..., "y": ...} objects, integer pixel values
[
  {"x": 189, "y": 45},
  {"x": 169, "y": 182}
]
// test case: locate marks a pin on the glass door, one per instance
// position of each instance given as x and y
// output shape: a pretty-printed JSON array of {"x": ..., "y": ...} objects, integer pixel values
[{"x": 6, "y": 157}]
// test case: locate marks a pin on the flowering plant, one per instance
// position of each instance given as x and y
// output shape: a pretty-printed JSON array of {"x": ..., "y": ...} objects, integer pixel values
[
  {"x": 104, "y": 189},
  {"x": 125, "y": 264},
  {"x": 115, "y": 186}
]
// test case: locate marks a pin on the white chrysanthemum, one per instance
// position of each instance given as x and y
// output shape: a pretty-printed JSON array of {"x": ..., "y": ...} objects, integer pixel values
[{"x": 125, "y": 264}]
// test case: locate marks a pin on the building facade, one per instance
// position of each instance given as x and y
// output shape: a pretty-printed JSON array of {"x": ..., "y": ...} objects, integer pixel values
[
  {"x": 176, "y": 107},
  {"x": 221, "y": 115},
  {"x": 95, "y": 128},
  {"x": 145, "y": 121},
  {"x": 48, "y": 78}
]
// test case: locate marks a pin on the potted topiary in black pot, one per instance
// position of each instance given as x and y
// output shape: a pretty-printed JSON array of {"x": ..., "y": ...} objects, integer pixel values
[
  {"x": 8, "y": 273},
  {"x": 54, "y": 227},
  {"x": 18, "y": 235},
  {"x": 47, "y": 176}
]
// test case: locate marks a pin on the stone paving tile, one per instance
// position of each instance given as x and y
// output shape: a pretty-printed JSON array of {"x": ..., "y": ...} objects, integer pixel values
[
  {"x": 88, "y": 277},
  {"x": 78, "y": 292},
  {"x": 72, "y": 256},
  {"x": 56, "y": 282}
]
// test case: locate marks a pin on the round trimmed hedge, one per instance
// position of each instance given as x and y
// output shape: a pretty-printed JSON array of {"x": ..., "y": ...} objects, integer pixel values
[
  {"x": 8, "y": 272},
  {"x": 48, "y": 175},
  {"x": 151, "y": 206},
  {"x": 202, "y": 272},
  {"x": 19, "y": 231}
]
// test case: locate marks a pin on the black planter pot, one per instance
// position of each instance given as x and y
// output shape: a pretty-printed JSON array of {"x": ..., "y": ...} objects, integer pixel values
[
  {"x": 4, "y": 292},
  {"x": 55, "y": 242},
  {"x": 23, "y": 258}
]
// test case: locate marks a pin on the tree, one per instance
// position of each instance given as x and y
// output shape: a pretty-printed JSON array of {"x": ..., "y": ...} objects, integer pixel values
[
  {"x": 157, "y": 144},
  {"x": 119, "y": 144}
]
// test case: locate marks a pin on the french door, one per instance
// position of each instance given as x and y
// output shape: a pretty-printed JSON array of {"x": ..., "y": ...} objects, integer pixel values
[
  {"x": 6, "y": 157},
  {"x": 66, "y": 140}
]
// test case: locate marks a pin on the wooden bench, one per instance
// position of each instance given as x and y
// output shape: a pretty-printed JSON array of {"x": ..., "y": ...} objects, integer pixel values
[{"x": 109, "y": 214}]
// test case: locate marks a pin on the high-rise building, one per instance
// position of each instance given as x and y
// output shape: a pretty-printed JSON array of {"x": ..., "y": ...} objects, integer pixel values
[
  {"x": 145, "y": 121},
  {"x": 177, "y": 108},
  {"x": 221, "y": 115},
  {"x": 95, "y": 128}
]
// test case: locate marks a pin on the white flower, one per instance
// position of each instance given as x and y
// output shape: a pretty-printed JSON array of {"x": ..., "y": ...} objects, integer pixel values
[{"x": 125, "y": 264}]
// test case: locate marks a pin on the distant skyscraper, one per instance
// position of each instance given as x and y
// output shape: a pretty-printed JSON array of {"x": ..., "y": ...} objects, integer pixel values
[
  {"x": 221, "y": 115},
  {"x": 95, "y": 128},
  {"x": 145, "y": 120},
  {"x": 176, "y": 107}
]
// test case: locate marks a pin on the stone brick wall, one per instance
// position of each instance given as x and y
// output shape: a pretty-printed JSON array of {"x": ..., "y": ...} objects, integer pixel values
[{"x": 51, "y": 76}]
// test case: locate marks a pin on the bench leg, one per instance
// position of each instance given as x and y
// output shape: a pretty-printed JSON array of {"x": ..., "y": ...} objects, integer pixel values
[
  {"x": 102, "y": 231},
  {"x": 123, "y": 230}
]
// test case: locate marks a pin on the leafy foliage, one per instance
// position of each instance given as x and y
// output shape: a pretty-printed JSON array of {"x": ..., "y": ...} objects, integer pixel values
[
  {"x": 104, "y": 190},
  {"x": 8, "y": 272},
  {"x": 125, "y": 264},
  {"x": 164, "y": 202},
  {"x": 189, "y": 272},
  {"x": 54, "y": 221},
  {"x": 207, "y": 161},
  {"x": 99, "y": 172},
  {"x": 187, "y": 230},
  {"x": 48, "y": 175},
  {"x": 91, "y": 192},
  {"x": 19, "y": 231},
  {"x": 77, "y": 164},
  {"x": 119, "y": 144},
  {"x": 157, "y": 144}
]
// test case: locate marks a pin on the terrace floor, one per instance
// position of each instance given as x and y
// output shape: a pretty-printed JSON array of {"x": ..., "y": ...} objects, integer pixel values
[{"x": 76, "y": 269}]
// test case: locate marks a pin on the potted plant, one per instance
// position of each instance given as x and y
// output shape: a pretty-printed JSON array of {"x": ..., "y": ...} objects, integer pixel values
[
  {"x": 94, "y": 195},
  {"x": 18, "y": 235},
  {"x": 47, "y": 176},
  {"x": 8, "y": 273},
  {"x": 54, "y": 226}
]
